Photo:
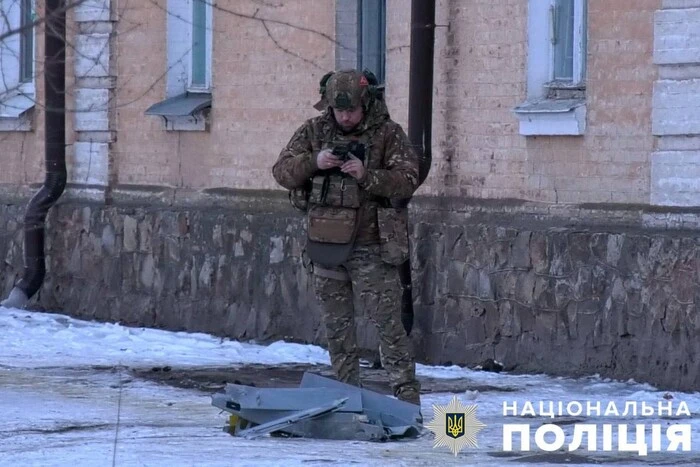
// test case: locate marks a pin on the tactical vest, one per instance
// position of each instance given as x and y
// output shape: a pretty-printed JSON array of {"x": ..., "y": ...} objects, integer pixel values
[{"x": 334, "y": 205}]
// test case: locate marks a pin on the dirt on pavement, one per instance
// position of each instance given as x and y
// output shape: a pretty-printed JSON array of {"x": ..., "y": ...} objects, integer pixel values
[{"x": 289, "y": 375}]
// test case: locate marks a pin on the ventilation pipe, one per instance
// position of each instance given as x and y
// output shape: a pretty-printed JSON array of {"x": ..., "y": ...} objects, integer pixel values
[
  {"x": 55, "y": 156},
  {"x": 420, "y": 114}
]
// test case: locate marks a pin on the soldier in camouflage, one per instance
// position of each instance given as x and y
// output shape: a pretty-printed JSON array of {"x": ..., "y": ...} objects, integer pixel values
[{"x": 354, "y": 110}]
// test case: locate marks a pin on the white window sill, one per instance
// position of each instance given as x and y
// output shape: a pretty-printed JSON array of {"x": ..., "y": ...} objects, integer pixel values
[
  {"x": 185, "y": 112},
  {"x": 16, "y": 113},
  {"x": 196, "y": 122},
  {"x": 552, "y": 117}
]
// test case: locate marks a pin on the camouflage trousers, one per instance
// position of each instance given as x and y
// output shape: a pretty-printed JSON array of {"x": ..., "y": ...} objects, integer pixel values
[{"x": 376, "y": 286}]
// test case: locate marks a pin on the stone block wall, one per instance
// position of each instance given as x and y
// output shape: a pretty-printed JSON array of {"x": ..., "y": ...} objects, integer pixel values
[
  {"x": 542, "y": 289},
  {"x": 607, "y": 297},
  {"x": 230, "y": 272}
]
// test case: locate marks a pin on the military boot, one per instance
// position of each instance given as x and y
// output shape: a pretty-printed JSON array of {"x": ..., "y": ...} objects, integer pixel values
[{"x": 409, "y": 394}]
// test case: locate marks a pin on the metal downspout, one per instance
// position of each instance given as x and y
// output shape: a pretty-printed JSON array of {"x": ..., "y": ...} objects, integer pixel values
[
  {"x": 55, "y": 156},
  {"x": 420, "y": 114}
]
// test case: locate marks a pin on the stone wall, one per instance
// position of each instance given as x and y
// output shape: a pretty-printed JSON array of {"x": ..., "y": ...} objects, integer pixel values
[
  {"x": 231, "y": 271},
  {"x": 562, "y": 290},
  {"x": 559, "y": 295}
]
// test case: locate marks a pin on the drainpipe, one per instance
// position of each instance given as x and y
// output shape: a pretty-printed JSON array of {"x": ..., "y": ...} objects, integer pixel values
[
  {"x": 55, "y": 156},
  {"x": 420, "y": 114}
]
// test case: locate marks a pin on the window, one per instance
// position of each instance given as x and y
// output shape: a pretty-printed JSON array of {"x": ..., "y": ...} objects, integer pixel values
[
  {"x": 26, "y": 49},
  {"x": 16, "y": 64},
  {"x": 556, "y": 69},
  {"x": 360, "y": 31},
  {"x": 568, "y": 18},
  {"x": 200, "y": 63},
  {"x": 188, "y": 86},
  {"x": 371, "y": 37}
]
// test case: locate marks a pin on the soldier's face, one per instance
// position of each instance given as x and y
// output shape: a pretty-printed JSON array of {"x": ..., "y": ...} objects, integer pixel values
[{"x": 348, "y": 118}]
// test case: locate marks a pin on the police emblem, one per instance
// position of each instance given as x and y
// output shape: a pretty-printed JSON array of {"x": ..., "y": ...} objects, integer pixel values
[{"x": 455, "y": 426}]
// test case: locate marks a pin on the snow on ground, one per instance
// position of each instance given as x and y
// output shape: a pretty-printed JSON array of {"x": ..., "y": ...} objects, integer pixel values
[
  {"x": 61, "y": 340},
  {"x": 67, "y": 399}
]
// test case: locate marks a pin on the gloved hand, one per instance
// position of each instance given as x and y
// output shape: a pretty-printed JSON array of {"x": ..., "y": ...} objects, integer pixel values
[
  {"x": 354, "y": 167},
  {"x": 327, "y": 160}
]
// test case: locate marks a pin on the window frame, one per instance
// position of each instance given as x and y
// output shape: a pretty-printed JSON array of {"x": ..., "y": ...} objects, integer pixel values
[
  {"x": 361, "y": 43},
  {"x": 27, "y": 48},
  {"x": 208, "y": 14},
  {"x": 180, "y": 31},
  {"x": 540, "y": 49},
  {"x": 579, "y": 42}
]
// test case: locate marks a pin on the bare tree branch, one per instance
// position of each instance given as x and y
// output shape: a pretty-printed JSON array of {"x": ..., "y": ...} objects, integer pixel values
[
  {"x": 70, "y": 4},
  {"x": 255, "y": 17},
  {"x": 286, "y": 50},
  {"x": 94, "y": 58},
  {"x": 282, "y": 23}
]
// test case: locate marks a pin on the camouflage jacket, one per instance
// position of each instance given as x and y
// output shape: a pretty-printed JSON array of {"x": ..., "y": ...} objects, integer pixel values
[{"x": 391, "y": 164}]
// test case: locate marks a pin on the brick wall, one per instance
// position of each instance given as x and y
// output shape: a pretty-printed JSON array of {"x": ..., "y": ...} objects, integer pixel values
[
  {"x": 21, "y": 156},
  {"x": 480, "y": 76},
  {"x": 675, "y": 166},
  {"x": 262, "y": 91},
  {"x": 346, "y": 34},
  {"x": 398, "y": 53}
]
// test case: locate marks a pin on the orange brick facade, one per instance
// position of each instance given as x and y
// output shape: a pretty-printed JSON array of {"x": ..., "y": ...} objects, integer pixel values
[
  {"x": 259, "y": 93},
  {"x": 265, "y": 76},
  {"x": 480, "y": 77}
]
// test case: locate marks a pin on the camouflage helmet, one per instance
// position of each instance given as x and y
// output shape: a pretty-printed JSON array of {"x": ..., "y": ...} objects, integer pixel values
[{"x": 346, "y": 89}]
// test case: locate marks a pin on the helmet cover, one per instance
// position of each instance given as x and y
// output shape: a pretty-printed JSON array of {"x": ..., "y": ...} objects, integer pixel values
[{"x": 347, "y": 89}]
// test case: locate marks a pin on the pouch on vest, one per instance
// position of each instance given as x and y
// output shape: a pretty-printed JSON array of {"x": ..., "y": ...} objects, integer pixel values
[
  {"x": 393, "y": 234},
  {"x": 335, "y": 190},
  {"x": 299, "y": 199},
  {"x": 332, "y": 225},
  {"x": 331, "y": 234}
]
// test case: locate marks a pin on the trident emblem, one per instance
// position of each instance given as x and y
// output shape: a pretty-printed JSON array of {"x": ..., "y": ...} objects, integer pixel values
[{"x": 455, "y": 425}]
